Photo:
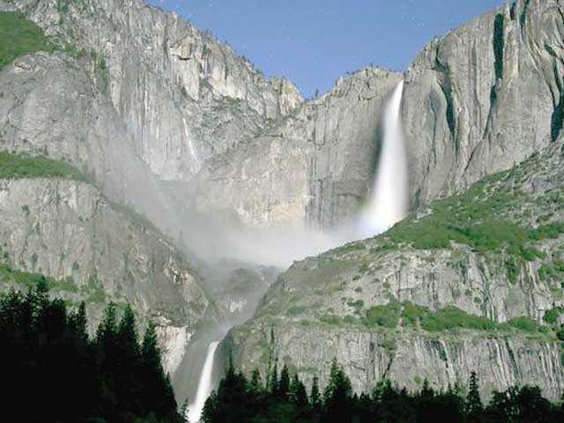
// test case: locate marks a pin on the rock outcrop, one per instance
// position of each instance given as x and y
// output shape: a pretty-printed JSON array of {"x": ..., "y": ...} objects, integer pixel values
[
  {"x": 493, "y": 252},
  {"x": 315, "y": 167},
  {"x": 102, "y": 252},
  {"x": 484, "y": 97},
  {"x": 182, "y": 95}
]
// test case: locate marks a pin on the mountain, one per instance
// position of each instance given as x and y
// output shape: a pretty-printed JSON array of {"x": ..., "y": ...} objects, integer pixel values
[
  {"x": 56, "y": 223},
  {"x": 146, "y": 155},
  {"x": 484, "y": 97},
  {"x": 312, "y": 168},
  {"x": 473, "y": 282},
  {"x": 136, "y": 100}
]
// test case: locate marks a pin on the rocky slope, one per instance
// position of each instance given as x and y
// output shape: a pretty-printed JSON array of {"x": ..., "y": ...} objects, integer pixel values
[
  {"x": 476, "y": 101},
  {"x": 484, "y": 97},
  {"x": 189, "y": 106},
  {"x": 384, "y": 307},
  {"x": 68, "y": 230},
  {"x": 134, "y": 97},
  {"x": 182, "y": 95}
]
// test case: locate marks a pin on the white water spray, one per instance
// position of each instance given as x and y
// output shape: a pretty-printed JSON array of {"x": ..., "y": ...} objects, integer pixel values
[
  {"x": 204, "y": 386},
  {"x": 389, "y": 198}
]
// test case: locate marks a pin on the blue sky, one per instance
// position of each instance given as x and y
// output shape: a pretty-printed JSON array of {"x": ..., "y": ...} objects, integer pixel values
[{"x": 313, "y": 42}]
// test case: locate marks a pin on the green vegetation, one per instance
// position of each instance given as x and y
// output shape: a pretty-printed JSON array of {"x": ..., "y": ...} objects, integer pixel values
[
  {"x": 18, "y": 166},
  {"x": 10, "y": 276},
  {"x": 551, "y": 316},
  {"x": 484, "y": 218},
  {"x": 412, "y": 314},
  {"x": 19, "y": 36},
  {"x": 386, "y": 315},
  {"x": 23, "y": 279},
  {"x": 524, "y": 324},
  {"x": 454, "y": 318},
  {"x": 558, "y": 118},
  {"x": 391, "y": 315},
  {"x": 93, "y": 292},
  {"x": 353, "y": 246},
  {"x": 282, "y": 397}
]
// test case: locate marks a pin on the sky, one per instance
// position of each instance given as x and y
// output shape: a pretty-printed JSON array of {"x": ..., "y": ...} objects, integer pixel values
[{"x": 313, "y": 42}]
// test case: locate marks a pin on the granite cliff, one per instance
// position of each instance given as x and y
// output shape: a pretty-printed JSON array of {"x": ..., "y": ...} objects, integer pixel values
[
  {"x": 470, "y": 283},
  {"x": 164, "y": 119},
  {"x": 484, "y": 97}
]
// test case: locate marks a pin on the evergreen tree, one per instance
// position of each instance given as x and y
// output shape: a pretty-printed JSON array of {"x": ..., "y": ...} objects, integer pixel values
[
  {"x": 298, "y": 394},
  {"x": 473, "y": 406},
  {"x": 127, "y": 362},
  {"x": 315, "y": 394},
  {"x": 337, "y": 396},
  {"x": 283, "y": 387},
  {"x": 105, "y": 335},
  {"x": 184, "y": 411},
  {"x": 157, "y": 389},
  {"x": 42, "y": 344},
  {"x": 77, "y": 322},
  {"x": 255, "y": 385},
  {"x": 272, "y": 378},
  {"x": 532, "y": 406}
]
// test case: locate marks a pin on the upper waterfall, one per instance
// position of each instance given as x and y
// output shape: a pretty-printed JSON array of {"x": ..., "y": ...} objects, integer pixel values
[{"x": 388, "y": 202}]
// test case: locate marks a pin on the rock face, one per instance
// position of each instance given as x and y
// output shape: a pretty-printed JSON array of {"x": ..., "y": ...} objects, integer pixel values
[
  {"x": 484, "y": 97},
  {"x": 195, "y": 113},
  {"x": 56, "y": 105},
  {"x": 314, "y": 167},
  {"x": 183, "y": 95},
  {"x": 325, "y": 307},
  {"x": 405, "y": 358},
  {"x": 68, "y": 230},
  {"x": 140, "y": 100}
]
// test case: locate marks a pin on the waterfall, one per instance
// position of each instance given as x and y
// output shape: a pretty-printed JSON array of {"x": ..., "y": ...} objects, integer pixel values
[
  {"x": 388, "y": 202},
  {"x": 204, "y": 386}
]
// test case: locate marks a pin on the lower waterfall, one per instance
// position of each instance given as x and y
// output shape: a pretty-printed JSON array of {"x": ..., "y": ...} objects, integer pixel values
[{"x": 204, "y": 386}]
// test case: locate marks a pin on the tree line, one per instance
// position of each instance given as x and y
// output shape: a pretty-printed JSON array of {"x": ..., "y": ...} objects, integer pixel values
[
  {"x": 52, "y": 371},
  {"x": 283, "y": 398}
]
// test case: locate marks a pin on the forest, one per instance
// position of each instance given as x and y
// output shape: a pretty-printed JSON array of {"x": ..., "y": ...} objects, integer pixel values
[{"x": 52, "y": 371}]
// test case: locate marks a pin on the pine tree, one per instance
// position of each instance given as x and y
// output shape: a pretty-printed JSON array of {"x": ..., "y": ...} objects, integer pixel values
[
  {"x": 255, "y": 385},
  {"x": 315, "y": 394},
  {"x": 474, "y": 407},
  {"x": 157, "y": 389},
  {"x": 338, "y": 394},
  {"x": 105, "y": 335},
  {"x": 298, "y": 394},
  {"x": 127, "y": 334},
  {"x": 127, "y": 363},
  {"x": 184, "y": 411},
  {"x": 106, "y": 347},
  {"x": 77, "y": 322},
  {"x": 427, "y": 391},
  {"x": 272, "y": 382},
  {"x": 283, "y": 387}
]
